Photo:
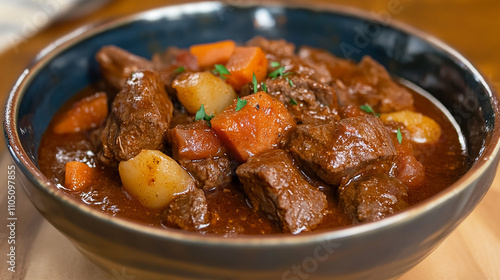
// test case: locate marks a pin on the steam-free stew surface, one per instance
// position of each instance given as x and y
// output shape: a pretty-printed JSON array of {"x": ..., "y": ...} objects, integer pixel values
[{"x": 231, "y": 211}]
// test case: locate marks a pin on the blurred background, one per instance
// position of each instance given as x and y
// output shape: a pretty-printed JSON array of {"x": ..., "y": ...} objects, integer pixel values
[{"x": 469, "y": 26}]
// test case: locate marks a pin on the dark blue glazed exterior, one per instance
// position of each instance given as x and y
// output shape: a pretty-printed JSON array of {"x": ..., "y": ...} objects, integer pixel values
[{"x": 378, "y": 250}]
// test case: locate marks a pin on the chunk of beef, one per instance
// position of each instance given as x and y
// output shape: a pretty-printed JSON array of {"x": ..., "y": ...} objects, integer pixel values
[
  {"x": 351, "y": 111},
  {"x": 370, "y": 83},
  {"x": 388, "y": 167},
  {"x": 316, "y": 103},
  {"x": 335, "y": 151},
  {"x": 275, "y": 187},
  {"x": 194, "y": 141},
  {"x": 371, "y": 198},
  {"x": 275, "y": 48},
  {"x": 404, "y": 166},
  {"x": 365, "y": 83},
  {"x": 188, "y": 211},
  {"x": 139, "y": 118},
  {"x": 329, "y": 68},
  {"x": 117, "y": 64},
  {"x": 196, "y": 147},
  {"x": 211, "y": 172},
  {"x": 284, "y": 52},
  {"x": 409, "y": 170}
]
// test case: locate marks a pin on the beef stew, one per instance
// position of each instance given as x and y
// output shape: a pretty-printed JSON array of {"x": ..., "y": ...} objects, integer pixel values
[{"x": 315, "y": 143}]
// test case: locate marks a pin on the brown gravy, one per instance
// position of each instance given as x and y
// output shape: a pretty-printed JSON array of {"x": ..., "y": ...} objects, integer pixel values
[{"x": 444, "y": 163}]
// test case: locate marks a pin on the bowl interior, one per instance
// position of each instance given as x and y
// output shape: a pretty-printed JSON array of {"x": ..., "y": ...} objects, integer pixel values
[
  {"x": 406, "y": 56},
  {"x": 69, "y": 65}
]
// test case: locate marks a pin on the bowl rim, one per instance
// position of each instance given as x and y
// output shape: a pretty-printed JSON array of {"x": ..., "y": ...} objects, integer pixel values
[{"x": 488, "y": 158}]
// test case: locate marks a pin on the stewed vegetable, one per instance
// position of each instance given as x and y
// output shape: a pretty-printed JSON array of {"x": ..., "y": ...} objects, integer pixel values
[{"x": 256, "y": 138}]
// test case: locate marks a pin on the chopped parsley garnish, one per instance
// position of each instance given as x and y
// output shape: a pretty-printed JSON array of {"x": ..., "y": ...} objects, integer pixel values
[
  {"x": 240, "y": 104},
  {"x": 275, "y": 64},
  {"x": 201, "y": 115},
  {"x": 264, "y": 87},
  {"x": 399, "y": 136},
  {"x": 289, "y": 81},
  {"x": 293, "y": 102},
  {"x": 255, "y": 84},
  {"x": 280, "y": 72},
  {"x": 180, "y": 69},
  {"x": 221, "y": 70},
  {"x": 276, "y": 73},
  {"x": 367, "y": 108}
]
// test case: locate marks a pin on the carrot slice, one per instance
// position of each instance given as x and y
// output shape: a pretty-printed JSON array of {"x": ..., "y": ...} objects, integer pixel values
[
  {"x": 257, "y": 126},
  {"x": 244, "y": 63},
  {"x": 213, "y": 53},
  {"x": 78, "y": 176},
  {"x": 87, "y": 113}
]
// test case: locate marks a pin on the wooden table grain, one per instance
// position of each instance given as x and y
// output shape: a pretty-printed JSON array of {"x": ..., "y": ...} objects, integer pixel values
[{"x": 472, "y": 251}]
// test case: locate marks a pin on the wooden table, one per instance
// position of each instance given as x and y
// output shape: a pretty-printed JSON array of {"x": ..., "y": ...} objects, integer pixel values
[{"x": 471, "y": 26}]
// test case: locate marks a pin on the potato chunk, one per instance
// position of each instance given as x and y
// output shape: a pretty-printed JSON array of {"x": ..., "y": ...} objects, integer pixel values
[
  {"x": 195, "y": 89},
  {"x": 422, "y": 128},
  {"x": 154, "y": 178}
]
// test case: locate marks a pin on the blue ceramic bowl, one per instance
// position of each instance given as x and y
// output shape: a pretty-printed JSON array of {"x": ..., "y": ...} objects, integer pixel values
[{"x": 383, "y": 249}]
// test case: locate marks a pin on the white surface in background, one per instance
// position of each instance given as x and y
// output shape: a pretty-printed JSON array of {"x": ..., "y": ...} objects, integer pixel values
[{"x": 21, "y": 19}]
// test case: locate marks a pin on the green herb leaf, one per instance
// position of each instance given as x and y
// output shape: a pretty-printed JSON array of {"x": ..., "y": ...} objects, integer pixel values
[
  {"x": 289, "y": 81},
  {"x": 280, "y": 72},
  {"x": 200, "y": 115},
  {"x": 240, "y": 104},
  {"x": 255, "y": 84},
  {"x": 208, "y": 118},
  {"x": 367, "y": 108},
  {"x": 222, "y": 70},
  {"x": 399, "y": 136},
  {"x": 275, "y": 64},
  {"x": 293, "y": 102},
  {"x": 276, "y": 73},
  {"x": 264, "y": 87},
  {"x": 180, "y": 69}
]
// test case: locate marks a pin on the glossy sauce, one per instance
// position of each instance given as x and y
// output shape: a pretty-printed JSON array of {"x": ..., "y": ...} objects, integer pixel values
[{"x": 444, "y": 163}]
